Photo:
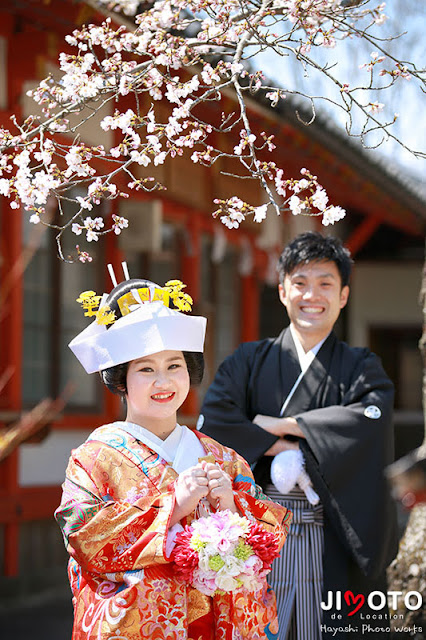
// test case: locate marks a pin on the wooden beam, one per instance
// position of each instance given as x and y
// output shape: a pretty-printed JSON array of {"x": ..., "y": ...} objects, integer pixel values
[
  {"x": 190, "y": 268},
  {"x": 362, "y": 234}
]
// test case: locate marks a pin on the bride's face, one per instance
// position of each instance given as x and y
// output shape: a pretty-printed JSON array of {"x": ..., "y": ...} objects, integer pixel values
[{"x": 157, "y": 385}]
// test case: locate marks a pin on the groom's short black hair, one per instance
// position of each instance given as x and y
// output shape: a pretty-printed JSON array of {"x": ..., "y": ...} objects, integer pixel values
[{"x": 311, "y": 246}]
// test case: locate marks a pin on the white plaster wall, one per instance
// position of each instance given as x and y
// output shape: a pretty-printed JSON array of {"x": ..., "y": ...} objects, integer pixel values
[
  {"x": 385, "y": 294},
  {"x": 45, "y": 463}
]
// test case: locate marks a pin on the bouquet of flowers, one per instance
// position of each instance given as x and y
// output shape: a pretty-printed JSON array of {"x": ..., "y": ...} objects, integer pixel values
[{"x": 224, "y": 553}]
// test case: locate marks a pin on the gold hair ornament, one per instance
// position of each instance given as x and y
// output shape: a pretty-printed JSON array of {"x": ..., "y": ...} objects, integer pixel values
[
  {"x": 89, "y": 301},
  {"x": 105, "y": 315},
  {"x": 172, "y": 290},
  {"x": 128, "y": 301},
  {"x": 182, "y": 301}
]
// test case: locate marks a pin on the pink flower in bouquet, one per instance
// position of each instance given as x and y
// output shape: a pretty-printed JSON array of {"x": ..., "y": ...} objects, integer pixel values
[
  {"x": 253, "y": 565},
  {"x": 219, "y": 528},
  {"x": 224, "y": 552},
  {"x": 224, "y": 545},
  {"x": 204, "y": 582}
]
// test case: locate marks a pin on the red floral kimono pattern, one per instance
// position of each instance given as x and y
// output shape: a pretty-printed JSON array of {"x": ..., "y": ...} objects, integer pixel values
[{"x": 118, "y": 497}]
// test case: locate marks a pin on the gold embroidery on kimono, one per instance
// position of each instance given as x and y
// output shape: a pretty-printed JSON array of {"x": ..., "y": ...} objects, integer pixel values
[{"x": 117, "y": 501}]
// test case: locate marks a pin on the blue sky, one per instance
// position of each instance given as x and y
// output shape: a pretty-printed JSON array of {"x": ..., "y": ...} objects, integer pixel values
[{"x": 404, "y": 98}]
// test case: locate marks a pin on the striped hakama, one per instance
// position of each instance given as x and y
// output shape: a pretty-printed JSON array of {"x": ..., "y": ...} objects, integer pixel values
[{"x": 296, "y": 576}]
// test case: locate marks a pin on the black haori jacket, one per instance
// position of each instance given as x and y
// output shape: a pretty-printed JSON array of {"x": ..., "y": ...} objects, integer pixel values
[{"x": 343, "y": 405}]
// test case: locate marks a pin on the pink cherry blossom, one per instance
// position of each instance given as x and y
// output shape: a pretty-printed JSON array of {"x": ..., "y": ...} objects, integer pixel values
[
  {"x": 260, "y": 213},
  {"x": 332, "y": 215}
]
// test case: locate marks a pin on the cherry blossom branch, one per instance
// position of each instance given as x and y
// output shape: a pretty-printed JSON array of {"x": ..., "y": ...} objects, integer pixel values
[{"x": 187, "y": 54}]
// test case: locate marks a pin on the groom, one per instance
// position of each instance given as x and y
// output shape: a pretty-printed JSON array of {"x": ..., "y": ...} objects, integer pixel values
[{"x": 306, "y": 390}]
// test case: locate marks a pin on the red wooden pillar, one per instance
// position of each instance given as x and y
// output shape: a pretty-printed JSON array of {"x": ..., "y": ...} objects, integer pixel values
[
  {"x": 11, "y": 326},
  {"x": 13, "y": 304},
  {"x": 191, "y": 258},
  {"x": 11, "y": 313},
  {"x": 249, "y": 321},
  {"x": 191, "y": 276},
  {"x": 250, "y": 298}
]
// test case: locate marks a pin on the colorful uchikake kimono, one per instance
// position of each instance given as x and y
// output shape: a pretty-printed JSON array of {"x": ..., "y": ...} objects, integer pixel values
[{"x": 117, "y": 501}]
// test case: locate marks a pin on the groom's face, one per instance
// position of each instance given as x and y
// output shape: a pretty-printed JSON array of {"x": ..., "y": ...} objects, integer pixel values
[{"x": 313, "y": 296}]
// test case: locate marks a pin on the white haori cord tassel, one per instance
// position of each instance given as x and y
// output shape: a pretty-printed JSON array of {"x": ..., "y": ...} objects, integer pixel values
[{"x": 287, "y": 470}]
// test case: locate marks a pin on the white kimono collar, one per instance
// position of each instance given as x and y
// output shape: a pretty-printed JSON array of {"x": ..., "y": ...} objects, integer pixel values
[
  {"x": 305, "y": 357},
  {"x": 181, "y": 448}
]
